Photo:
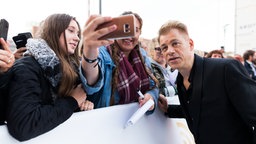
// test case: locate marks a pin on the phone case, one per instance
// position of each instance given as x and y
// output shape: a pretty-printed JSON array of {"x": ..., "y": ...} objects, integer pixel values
[
  {"x": 4, "y": 26},
  {"x": 21, "y": 39},
  {"x": 125, "y": 27},
  {"x": 27, "y": 34}
]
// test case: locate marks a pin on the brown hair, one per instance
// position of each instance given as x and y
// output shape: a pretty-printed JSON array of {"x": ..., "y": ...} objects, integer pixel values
[
  {"x": 209, "y": 55},
  {"x": 114, "y": 53},
  {"x": 136, "y": 15},
  {"x": 247, "y": 54},
  {"x": 53, "y": 27}
]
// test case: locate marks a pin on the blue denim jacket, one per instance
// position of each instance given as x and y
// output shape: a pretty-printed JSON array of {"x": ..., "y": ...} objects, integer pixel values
[{"x": 100, "y": 93}]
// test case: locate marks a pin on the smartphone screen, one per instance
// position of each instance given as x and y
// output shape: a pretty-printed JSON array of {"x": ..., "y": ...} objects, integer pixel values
[
  {"x": 125, "y": 27},
  {"x": 4, "y": 26}
]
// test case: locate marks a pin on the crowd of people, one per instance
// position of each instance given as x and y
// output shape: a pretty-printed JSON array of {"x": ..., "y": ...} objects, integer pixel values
[{"x": 43, "y": 84}]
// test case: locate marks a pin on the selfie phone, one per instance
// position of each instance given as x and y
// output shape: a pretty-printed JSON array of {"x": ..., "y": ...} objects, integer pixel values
[
  {"x": 4, "y": 26},
  {"x": 21, "y": 39},
  {"x": 125, "y": 27}
]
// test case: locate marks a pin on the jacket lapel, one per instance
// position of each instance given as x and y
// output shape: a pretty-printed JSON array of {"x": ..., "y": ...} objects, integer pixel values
[{"x": 197, "y": 92}]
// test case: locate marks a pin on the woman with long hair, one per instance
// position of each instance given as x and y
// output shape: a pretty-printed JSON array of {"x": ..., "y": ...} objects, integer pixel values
[{"x": 45, "y": 88}]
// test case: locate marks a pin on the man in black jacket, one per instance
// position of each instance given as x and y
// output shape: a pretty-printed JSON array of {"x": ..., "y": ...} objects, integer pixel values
[
  {"x": 217, "y": 95},
  {"x": 248, "y": 63}
]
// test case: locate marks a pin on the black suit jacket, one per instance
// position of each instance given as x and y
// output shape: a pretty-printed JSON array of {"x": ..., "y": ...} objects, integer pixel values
[
  {"x": 222, "y": 106},
  {"x": 249, "y": 70}
]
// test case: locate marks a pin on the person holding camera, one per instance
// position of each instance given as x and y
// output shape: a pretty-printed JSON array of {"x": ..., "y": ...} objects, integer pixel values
[
  {"x": 114, "y": 71},
  {"x": 6, "y": 57},
  {"x": 6, "y": 62},
  {"x": 19, "y": 52},
  {"x": 45, "y": 84}
]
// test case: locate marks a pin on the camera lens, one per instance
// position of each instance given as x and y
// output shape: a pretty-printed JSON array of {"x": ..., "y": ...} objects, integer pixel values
[{"x": 127, "y": 28}]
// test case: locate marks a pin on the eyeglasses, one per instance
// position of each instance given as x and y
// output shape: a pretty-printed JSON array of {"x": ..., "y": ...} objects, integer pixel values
[{"x": 158, "y": 49}]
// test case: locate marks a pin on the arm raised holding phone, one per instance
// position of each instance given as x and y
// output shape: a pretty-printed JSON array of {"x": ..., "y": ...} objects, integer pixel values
[
  {"x": 91, "y": 44},
  {"x": 114, "y": 66},
  {"x": 6, "y": 56}
]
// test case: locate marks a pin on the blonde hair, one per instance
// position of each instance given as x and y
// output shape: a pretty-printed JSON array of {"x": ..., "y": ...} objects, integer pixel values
[{"x": 172, "y": 24}]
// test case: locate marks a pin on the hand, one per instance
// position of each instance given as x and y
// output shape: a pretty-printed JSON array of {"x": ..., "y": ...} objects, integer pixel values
[
  {"x": 91, "y": 35},
  {"x": 162, "y": 103},
  {"x": 147, "y": 97},
  {"x": 19, "y": 52},
  {"x": 6, "y": 57},
  {"x": 91, "y": 45},
  {"x": 79, "y": 94},
  {"x": 86, "y": 105}
]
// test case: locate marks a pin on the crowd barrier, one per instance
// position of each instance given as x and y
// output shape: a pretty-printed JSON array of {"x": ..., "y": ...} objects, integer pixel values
[{"x": 106, "y": 126}]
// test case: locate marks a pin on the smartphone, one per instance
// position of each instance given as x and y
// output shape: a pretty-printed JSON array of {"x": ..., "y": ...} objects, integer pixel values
[
  {"x": 4, "y": 26},
  {"x": 125, "y": 27},
  {"x": 27, "y": 34},
  {"x": 21, "y": 39}
]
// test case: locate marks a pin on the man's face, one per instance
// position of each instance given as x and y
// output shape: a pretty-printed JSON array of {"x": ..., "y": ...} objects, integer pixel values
[{"x": 177, "y": 48}]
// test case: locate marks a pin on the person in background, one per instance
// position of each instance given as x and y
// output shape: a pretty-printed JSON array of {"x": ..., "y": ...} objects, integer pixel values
[
  {"x": 144, "y": 45},
  {"x": 215, "y": 54},
  {"x": 163, "y": 72},
  {"x": 45, "y": 84},
  {"x": 239, "y": 58},
  {"x": 217, "y": 96},
  {"x": 254, "y": 59},
  {"x": 6, "y": 62},
  {"x": 115, "y": 72},
  {"x": 248, "y": 63}
]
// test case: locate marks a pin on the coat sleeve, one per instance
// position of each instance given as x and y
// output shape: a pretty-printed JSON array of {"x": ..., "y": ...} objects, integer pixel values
[
  {"x": 31, "y": 110},
  {"x": 241, "y": 90}
]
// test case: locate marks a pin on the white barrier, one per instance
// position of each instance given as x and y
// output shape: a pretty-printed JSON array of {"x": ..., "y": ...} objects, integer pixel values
[{"x": 106, "y": 126}]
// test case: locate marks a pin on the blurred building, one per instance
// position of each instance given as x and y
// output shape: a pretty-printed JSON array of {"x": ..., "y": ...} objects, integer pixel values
[{"x": 245, "y": 25}]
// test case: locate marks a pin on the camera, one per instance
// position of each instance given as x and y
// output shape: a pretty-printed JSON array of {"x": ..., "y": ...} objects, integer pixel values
[
  {"x": 21, "y": 39},
  {"x": 125, "y": 27}
]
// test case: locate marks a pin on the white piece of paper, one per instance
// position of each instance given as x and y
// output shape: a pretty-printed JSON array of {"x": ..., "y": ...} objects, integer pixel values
[{"x": 139, "y": 113}]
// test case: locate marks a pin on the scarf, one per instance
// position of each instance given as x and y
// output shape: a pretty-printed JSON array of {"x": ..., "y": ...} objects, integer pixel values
[
  {"x": 47, "y": 60},
  {"x": 132, "y": 77}
]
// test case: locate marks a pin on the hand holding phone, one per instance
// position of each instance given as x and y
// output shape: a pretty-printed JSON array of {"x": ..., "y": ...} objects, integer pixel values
[
  {"x": 125, "y": 27},
  {"x": 4, "y": 26},
  {"x": 21, "y": 39}
]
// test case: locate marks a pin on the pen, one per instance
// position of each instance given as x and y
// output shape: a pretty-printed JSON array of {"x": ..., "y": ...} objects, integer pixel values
[{"x": 141, "y": 95}]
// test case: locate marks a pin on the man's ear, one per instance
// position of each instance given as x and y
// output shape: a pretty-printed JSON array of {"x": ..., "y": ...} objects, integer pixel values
[{"x": 191, "y": 44}]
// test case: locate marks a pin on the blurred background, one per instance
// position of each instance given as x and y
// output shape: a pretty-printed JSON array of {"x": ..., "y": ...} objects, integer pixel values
[{"x": 212, "y": 24}]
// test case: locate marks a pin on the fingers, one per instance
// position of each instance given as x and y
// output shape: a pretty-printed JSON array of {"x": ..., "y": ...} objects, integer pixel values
[
  {"x": 92, "y": 17},
  {"x": 19, "y": 52},
  {"x": 6, "y": 60},
  {"x": 5, "y": 45},
  {"x": 94, "y": 21},
  {"x": 86, "y": 105},
  {"x": 162, "y": 99},
  {"x": 162, "y": 103},
  {"x": 147, "y": 97},
  {"x": 91, "y": 34}
]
